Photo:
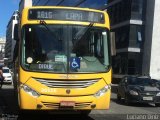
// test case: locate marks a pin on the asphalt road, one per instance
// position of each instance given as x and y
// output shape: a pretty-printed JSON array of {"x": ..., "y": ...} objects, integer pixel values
[{"x": 117, "y": 111}]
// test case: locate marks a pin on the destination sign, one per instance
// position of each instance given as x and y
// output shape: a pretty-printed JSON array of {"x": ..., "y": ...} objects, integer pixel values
[{"x": 66, "y": 14}]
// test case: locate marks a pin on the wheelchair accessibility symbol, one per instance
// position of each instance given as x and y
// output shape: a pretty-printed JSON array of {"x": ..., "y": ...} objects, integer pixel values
[{"x": 75, "y": 63}]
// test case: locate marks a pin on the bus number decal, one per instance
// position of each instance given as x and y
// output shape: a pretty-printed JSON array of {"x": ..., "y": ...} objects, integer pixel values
[
  {"x": 46, "y": 66},
  {"x": 44, "y": 14}
]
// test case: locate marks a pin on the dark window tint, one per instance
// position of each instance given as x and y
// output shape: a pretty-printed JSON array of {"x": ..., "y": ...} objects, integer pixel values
[{"x": 5, "y": 70}]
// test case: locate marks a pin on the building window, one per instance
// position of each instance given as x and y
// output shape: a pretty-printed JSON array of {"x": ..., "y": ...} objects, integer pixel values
[
  {"x": 136, "y": 9},
  {"x": 122, "y": 37},
  {"x": 131, "y": 67},
  {"x": 135, "y": 36}
]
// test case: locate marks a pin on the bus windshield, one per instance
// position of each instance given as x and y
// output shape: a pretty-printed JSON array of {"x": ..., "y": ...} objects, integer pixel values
[{"x": 65, "y": 48}]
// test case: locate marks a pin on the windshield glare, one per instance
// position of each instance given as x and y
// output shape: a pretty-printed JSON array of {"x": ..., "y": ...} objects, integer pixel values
[
  {"x": 65, "y": 48},
  {"x": 143, "y": 82},
  {"x": 5, "y": 70}
]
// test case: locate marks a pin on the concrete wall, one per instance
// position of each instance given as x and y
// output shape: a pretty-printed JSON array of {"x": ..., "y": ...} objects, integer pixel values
[
  {"x": 148, "y": 24},
  {"x": 155, "y": 48}
]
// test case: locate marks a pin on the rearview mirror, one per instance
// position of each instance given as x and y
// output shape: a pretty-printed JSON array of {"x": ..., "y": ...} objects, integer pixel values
[
  {"x": 113, "y": 43},
  {"x": 15, "y": 32}
]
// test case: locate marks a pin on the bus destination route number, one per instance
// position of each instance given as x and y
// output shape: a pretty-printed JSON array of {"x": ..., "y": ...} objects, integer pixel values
[
  {"x": 70, "y": 15},
  {"x": 51, "y": 15}
]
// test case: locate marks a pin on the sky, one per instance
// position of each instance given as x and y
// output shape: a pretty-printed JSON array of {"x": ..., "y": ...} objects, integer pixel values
[{"x": 6, "y": 11}]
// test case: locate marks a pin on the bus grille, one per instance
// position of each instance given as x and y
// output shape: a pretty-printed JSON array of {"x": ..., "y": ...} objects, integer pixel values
[
  {"x": 67, "y": 83},
  {"x": 77, "y": 105},
  {"x": 148, "y": 93}
]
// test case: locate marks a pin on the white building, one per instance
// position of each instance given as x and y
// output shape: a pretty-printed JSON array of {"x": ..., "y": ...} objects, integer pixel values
[
  {"x": 151, "y": 56},
  {"x": 2, "y": 50}
]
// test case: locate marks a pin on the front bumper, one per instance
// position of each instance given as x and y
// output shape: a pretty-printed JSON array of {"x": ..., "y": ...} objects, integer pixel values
[
  {"x": 44, "y": 102},
  {"x": 7, "y": 80},
  {"x": 143, "y": 99}
]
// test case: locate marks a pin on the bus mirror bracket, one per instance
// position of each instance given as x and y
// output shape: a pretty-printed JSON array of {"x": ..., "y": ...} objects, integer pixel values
[
  {"x": 113, "y": 44},
  {"x": 15, "y": 37}
]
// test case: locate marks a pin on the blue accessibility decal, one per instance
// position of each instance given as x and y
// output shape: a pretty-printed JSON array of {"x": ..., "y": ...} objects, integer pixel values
[{"x": 74, "y": 63}]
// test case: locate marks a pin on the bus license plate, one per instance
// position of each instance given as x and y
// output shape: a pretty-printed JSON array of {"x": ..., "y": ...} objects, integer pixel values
[
  {"x": 67, "y": 103},
  {"x": 147, "y": 98}
]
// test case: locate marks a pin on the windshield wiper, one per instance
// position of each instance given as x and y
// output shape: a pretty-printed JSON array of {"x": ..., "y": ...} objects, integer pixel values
[
  {"x": 82, "y": 33},
  {"x": 42, "y": 22}
]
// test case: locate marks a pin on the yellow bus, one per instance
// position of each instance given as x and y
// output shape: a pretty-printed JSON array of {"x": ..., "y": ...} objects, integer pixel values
[{"x": 63, "y": 59}]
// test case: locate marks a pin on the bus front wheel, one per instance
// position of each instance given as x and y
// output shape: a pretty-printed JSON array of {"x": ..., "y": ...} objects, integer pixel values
[{"x": 85, "y": 112}]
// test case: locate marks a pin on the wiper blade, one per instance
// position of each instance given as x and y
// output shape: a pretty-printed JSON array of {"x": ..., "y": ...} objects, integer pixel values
[
  {"x": 42, "y": 22},
  {"x": 82, "y": 33}
]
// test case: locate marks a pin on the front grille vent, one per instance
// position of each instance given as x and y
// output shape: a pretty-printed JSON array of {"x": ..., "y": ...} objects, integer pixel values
[
  {"x": 67, "y": 83},
  {"x": 57, "y": 105},
  {"x": 148, "y": 93}
]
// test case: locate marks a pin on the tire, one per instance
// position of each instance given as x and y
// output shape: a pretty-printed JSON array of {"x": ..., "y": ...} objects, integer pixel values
[
  {"x": 157, "y": 104},
  {"x": 126, "y": 101},
  {"x": 85, "y": 112},
  {"x": 1, "y": 84},
  {"x": 118, "y": 97}
]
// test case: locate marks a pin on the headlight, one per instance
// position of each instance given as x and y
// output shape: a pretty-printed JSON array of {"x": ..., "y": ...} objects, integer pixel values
[
  {"x": 132, "y": 92},
  {"x": 30, "y": 91},
  {"x": 158, "y": 94},
  {"x": 102, "y": 91}
]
